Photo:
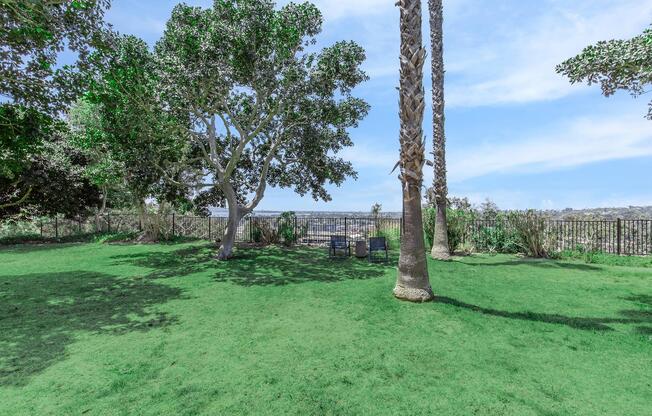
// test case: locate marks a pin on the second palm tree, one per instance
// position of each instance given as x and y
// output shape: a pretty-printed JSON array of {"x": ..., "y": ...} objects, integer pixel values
[{"x": 440, "y": 249}]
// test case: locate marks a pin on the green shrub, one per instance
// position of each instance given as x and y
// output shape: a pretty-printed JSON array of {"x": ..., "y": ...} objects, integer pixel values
[
  {"x": 262, "y": 232},
  {"x": 287, "y": 228},
  {"x": 530, "y": 228},
  {"x": 285, "y": 232},
  {"x": 18, "y": 228},
  {"x": 497, "y": 238},
  {"x": 392, "y": 235},
  {"x": 457, "y": 221},
  {"x": 429, "y": 215}
]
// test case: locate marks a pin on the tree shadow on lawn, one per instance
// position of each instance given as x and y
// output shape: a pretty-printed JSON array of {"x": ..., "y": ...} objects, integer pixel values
[
  {"x": 40, "y": 246},
  {"x": 286, "y": 266},
  {"x": 41, "y": 312},
  {"x": 592, "y": 324},
  {"x": 177, "y": 263},
  {"x": 258, "y": 266},
  {"x": 542, "y": 263}
]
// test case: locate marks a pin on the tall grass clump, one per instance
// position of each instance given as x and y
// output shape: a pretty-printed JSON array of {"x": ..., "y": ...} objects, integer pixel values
[{"x": 530, "y": 227}]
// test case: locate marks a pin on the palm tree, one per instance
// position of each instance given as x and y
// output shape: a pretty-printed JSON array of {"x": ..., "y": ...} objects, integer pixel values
[
  {"x": 412, "y": 283},
  {"x": 440, "y": 248}
]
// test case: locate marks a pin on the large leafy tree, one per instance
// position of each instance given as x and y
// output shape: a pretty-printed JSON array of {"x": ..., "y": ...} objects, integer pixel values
[
  {"x": 439, "y": 195},
  {"x": 134, "y": 141},
  {"x": 262, "y": 109},
  {"x": 22, "y": 133},
  {"x": 55, "y": 182},
  {"x": 615, "y": 65},
  {"x": 104, "y": 168},
  {"x": 412, "y": 283},
  {"x": 35, "y": 87}
]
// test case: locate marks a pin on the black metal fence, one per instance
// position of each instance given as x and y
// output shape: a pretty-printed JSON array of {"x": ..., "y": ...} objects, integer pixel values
[
  {"x": 308, "y": 230},
  {"x": 623, "y": 237}
]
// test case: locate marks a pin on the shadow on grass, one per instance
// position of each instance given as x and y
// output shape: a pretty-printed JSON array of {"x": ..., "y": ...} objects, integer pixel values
[
  {"x": 645, "y": 300},
  {"x": 37, "y": 247},
  {"x": 278, "y": 267},
  {"x": 177, "y": 263},
  {"x": 542, "y": 263},
  {"x": 593, "y": 324},
  {"x": 18, "y": 245},
  {"x": 257, "y": 266},
  {"x": 40, "y": 313}
]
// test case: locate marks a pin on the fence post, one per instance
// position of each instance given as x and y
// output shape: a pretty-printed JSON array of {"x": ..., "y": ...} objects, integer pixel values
[
  {"x": 56, "y": 227},
  {"x": 619, "y": 234},
  {"x": 80, "y": 221},
  {"x": 108, "y": 222},
  {"x": 41, "y": 227},
  {"x": 173, "y": 225},
  {"x": 209, "y": 228},
  {"x": 345, "y": 230}
]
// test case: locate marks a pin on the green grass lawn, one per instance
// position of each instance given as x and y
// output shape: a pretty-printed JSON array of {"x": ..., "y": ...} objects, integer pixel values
[{"x": 100, "y": 329}]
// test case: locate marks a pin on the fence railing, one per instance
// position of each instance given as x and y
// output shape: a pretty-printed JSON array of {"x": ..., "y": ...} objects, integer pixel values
[
  {"x": 623, "y": 237},
  {"x": 308, "y": 230}
]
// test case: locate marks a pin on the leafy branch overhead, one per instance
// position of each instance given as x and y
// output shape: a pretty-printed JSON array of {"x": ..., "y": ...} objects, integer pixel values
[
  {"x": 33, "y": 35},
  {"x": 256, "y": 102},
  {"x": 231, "y": 100},
  {"x": 261, "y": 107},
  {"x": 615, "y": 65}
]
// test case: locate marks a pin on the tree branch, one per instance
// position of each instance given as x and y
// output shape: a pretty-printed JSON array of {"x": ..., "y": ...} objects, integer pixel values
[
  {"x": 20, "y": 201},
  {"x": 262, "y": 184}
]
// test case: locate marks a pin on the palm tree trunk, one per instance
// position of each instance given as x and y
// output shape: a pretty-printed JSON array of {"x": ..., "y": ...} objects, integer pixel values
[
  {"x": 412, "y": 283},
  {"x": 440, "y": 249}
]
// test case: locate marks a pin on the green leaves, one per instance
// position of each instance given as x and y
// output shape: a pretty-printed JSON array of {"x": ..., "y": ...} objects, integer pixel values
[
  {"x": 22, "y": 133},
  {"x": 256, "y": 99},
  {"x": 615, "y": 65},
  {"x": 33, "y": 34}
]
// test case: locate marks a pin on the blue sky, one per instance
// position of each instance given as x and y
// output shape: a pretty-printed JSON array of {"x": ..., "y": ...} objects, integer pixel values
[{"x": 517, "y": 132}]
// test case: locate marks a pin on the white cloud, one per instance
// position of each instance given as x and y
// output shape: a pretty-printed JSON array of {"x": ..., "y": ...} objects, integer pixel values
[
  {"x": 582, "y": 141},
  {"x": 363, "y": 156},
  {"x": 515, "y": 63}
]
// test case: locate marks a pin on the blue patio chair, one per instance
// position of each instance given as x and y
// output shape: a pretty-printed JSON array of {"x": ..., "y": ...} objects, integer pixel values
[
  {"x": 339, "y": 243},
  {"x": 377, "y": 244}
]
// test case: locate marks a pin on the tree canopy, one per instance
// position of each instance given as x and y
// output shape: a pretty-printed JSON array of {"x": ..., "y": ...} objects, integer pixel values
[
  {"x": 261, "y": 109},
  {"x": 121, "y": 122},
  {"x": 33, "y": 35},
  {"x": 232, "y": 99},
  {"x": 35, "y": 89},
  {"x": 615, "y": 65},
  {"x": 52, "y": 182}
]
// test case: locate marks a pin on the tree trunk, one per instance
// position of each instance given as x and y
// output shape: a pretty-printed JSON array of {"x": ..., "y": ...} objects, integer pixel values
[
  {"x": 412, "y": 282},
  {"x": 149, "y": 232},
  {"x": 235, "y": 215},
  {"x": 440, "y": 249},
  {"x": 100, "y": 214}
]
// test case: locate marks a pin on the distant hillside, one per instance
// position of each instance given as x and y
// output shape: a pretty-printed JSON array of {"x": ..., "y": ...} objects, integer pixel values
[{"x": 629, "y": 213}]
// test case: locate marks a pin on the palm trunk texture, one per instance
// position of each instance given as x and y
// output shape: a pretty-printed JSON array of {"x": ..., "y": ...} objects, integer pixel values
[
  {"x": 440, "y": 249},
  {"x": 412, "y": 283}
]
